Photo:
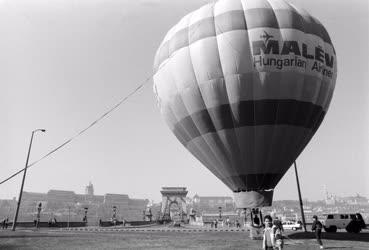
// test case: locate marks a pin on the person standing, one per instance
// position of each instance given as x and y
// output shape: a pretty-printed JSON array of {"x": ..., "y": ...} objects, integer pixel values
[
  {"x": 256, "y": 220},
  {"x": 277, "y": 231},
  {"x": 268, "y": 237},
  {"x": 317, "y": 227},
  {"x": 238, "y": 225}
]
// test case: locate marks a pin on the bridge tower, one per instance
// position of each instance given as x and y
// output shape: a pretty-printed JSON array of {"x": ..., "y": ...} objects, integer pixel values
[{"x": 173, "y": 196}]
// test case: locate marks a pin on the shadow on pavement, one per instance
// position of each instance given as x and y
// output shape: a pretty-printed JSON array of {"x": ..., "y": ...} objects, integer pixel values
[
  {"x": 344, "y": 236},
  {"x": 337, "y": 247},
  {"x": 28, "y": 234}
]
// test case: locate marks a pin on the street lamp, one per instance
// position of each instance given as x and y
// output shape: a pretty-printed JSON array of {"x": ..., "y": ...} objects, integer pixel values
[
  {"x": 114, "y": 218},
  {"x": 38, "y": 214},
  {"x": 220, "y": 213},
  {"x": 85, "y": 217},
  {"x": 114, "y": 212},
  {"x": 69, "y": 206},
  {"x": 24, "y": 177}
]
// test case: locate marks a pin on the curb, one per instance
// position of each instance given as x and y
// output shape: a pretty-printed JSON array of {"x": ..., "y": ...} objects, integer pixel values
[{"x": 184, "y": 230}]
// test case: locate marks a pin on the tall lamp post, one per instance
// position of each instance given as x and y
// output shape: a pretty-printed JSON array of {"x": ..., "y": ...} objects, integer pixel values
[
  {"x": 85, "y": 217},
  {"x": 114, "y": 218},
  {"x": 220, "y": 213},
  {"x": 39, "y": 207},
  {"x": 114, "y": 212},
  {"x": 24, "y": 177},
  {"x": 69, "y": 207}
]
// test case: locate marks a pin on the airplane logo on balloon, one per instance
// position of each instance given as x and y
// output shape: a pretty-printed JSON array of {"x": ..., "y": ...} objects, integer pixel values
[{"x": 266, "y": 36}]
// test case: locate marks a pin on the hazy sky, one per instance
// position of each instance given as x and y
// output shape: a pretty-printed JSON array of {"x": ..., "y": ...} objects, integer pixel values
[{"x": 65, "y": 62}]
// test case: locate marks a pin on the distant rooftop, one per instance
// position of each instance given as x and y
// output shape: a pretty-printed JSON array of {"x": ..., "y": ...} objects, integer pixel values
[{"x": 61, "y": 192}]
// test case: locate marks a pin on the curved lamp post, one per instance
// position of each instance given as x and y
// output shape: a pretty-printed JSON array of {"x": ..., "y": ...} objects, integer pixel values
[{"x": 24, "y": 177}]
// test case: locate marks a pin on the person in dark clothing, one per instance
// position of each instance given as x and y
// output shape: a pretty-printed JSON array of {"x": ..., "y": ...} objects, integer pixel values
[
  {"x": 256, "y": 220},
  {"x": 238, "y": 225},
  {"x": 361, "y": 221},
  {"x": 278, "y": 223},
  {"x": 277, "y": 231},
  {"x": 317, "y": 227}
]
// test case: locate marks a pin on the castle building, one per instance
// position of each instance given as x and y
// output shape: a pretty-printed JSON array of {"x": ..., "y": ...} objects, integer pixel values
[{"x": 62, "y": 202}]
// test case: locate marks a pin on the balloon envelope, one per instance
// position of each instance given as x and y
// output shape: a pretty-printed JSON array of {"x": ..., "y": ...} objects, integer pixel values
[{"x": 244, "y": 85}]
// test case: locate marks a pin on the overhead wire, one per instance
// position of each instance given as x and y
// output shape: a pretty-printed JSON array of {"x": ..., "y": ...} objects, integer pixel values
[
  {"x": 138, "y": 88},
  {"x": 82, "y": 131}
]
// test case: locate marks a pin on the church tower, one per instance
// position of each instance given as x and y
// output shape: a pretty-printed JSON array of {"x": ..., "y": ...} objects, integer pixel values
[{"x": 89, "y": 190}]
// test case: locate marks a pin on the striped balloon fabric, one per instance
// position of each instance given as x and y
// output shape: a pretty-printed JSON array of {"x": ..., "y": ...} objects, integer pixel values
[{"x": 244, "y": 85}]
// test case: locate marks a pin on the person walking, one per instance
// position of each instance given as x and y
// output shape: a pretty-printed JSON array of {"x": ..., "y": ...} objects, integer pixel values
[
  {"x": 277, "y": 231},
  {"x": 317, "y": 227},
  {"x": 268, "y": 237}
]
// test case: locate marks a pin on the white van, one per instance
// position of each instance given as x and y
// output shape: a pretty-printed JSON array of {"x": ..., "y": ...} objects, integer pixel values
[{"x": 333, "y": 222}]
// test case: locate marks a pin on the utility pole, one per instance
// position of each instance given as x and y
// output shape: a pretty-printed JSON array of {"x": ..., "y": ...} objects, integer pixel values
[
  {"x": 300, "y": 199},
  {"x": 24, "y": 177}
]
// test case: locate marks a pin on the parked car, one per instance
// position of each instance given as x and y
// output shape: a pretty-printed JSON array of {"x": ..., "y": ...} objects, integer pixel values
[
  {"x": 353, "y": 223},
  {"x": 292, "y": 225}
]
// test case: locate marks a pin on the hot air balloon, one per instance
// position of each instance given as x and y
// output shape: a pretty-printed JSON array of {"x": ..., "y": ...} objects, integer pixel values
[{"x": 244, "y": 86}]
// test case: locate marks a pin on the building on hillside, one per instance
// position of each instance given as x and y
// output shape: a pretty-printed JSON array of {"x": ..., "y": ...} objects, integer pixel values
[
  {"x": 355, "y": 200},
  {"x": 137, "y": 203},
  {"x": 29, "y": 198},
  {"x": 61, "y": 196},
  {"x": 62, "y": 203},
  {"x": 7, "y": 208},
  {"x": 89, "y": 199},
  {"x": 116, "y": 199},
  {"x": 331, "y": 199}
]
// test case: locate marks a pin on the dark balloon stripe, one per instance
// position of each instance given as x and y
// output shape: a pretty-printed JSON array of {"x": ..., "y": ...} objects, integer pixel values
[
  {"x": 240, "y": 20},
  {"x": 250, "y": 113},
  {"x": 255, "y": 181}
]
